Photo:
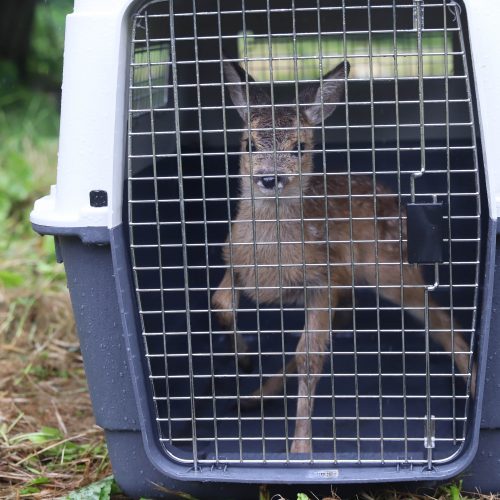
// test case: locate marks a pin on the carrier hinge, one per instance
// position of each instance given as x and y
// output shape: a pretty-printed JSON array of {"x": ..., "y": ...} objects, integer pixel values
[
  {"x": 218, "y": 467},
  {"x": 404, "y": 465},
  {"x": 429, "y": 438}
]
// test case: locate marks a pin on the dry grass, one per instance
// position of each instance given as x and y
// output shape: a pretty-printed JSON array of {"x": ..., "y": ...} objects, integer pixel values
[
  {"x": 444, "y": 493},
  {"x": 49, "y": 442}
]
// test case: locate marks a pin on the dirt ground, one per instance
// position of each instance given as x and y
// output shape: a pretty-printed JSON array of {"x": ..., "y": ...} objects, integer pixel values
[{"x": 50, "y": 444}]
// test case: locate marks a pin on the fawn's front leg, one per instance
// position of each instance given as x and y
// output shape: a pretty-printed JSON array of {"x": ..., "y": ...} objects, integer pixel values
[
  {"x": 226, "y": 300},
  {"x": 314, "y": 339}
]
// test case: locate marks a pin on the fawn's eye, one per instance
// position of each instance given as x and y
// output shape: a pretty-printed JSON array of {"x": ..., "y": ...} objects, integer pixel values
[
  {"x": 253, "y": 146},
  {"x": 296, "y": 150}
]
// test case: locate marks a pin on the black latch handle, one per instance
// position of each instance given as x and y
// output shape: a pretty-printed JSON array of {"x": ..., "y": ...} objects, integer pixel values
[{"x": 425, "y": 232}]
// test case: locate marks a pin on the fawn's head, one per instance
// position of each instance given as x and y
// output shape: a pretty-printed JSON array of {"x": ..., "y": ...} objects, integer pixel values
[{"x": 279, "y": 139}]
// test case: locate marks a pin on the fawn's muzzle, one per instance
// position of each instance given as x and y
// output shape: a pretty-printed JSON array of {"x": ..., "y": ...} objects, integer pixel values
[{"x": 270, "y": 181}]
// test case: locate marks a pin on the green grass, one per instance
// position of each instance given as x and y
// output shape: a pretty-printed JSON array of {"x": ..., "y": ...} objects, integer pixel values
[{"x": 29, "y": 127}]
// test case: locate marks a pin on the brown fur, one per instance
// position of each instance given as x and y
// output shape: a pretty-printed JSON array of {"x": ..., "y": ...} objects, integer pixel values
[{"x": 328, "y": 268}]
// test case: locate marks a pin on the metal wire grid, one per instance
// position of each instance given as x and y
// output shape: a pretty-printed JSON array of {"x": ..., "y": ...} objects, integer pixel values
[{"x": 387, "y": 394}]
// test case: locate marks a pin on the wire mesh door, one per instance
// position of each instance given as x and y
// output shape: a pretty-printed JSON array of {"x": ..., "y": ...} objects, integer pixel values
[{"x": 304, "y": 213}]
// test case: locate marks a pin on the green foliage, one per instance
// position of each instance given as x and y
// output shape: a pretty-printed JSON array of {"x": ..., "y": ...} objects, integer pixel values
[
  {"x": 102, "y": 490},
  {"x": 32, "y": 486},
  {"x": 14, "y": 188},
  {"x": 43, "y": 436},
  {"x": 56, "y": 448},
  {"x": 454, "y": 491},
  {"x": 29, "y": 123},
  {"x": 10, "y": 279},
  {"x": 45, "y": 61},
  {"x": 29, "y": 128}
]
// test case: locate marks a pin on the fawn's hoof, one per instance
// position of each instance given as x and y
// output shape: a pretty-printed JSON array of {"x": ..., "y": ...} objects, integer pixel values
[{"x": 301, "y": 446}]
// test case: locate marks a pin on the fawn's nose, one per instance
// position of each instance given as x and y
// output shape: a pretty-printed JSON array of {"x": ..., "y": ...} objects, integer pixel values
[{"x": 269, "y": 181}]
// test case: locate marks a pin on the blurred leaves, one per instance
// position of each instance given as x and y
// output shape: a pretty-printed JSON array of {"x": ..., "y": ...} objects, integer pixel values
[
  {"x": 29, "y": 129},
  {"x": 102, "y": 490},
  {"x": 16, "y": 181},
  {"x": 11, "y": 279},
  {"x": 47, "y": 42},
  {"x": 28, "y": 155}
]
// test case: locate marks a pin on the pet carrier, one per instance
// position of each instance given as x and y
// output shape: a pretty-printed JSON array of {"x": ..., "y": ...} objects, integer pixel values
[{"x": 277, "y": 219}]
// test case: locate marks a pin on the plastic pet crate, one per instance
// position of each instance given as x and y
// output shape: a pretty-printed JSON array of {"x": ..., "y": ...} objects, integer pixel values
[{"x": 278, "y": 224}]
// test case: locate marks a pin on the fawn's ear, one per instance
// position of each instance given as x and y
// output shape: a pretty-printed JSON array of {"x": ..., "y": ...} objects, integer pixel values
[
  {"x": 330, "y": 95},
  {"x": 237, "y": 78}
]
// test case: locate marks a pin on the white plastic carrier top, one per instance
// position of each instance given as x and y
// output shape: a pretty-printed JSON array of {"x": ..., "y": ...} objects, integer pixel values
[{"x": 92, "y": 148}]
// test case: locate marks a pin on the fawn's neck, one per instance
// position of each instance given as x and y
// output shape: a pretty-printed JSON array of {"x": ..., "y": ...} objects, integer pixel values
[{"x": 269, "y": 208}]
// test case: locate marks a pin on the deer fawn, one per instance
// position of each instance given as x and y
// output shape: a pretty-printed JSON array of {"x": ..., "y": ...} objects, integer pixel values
[{"x": 321, "y": 234}]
